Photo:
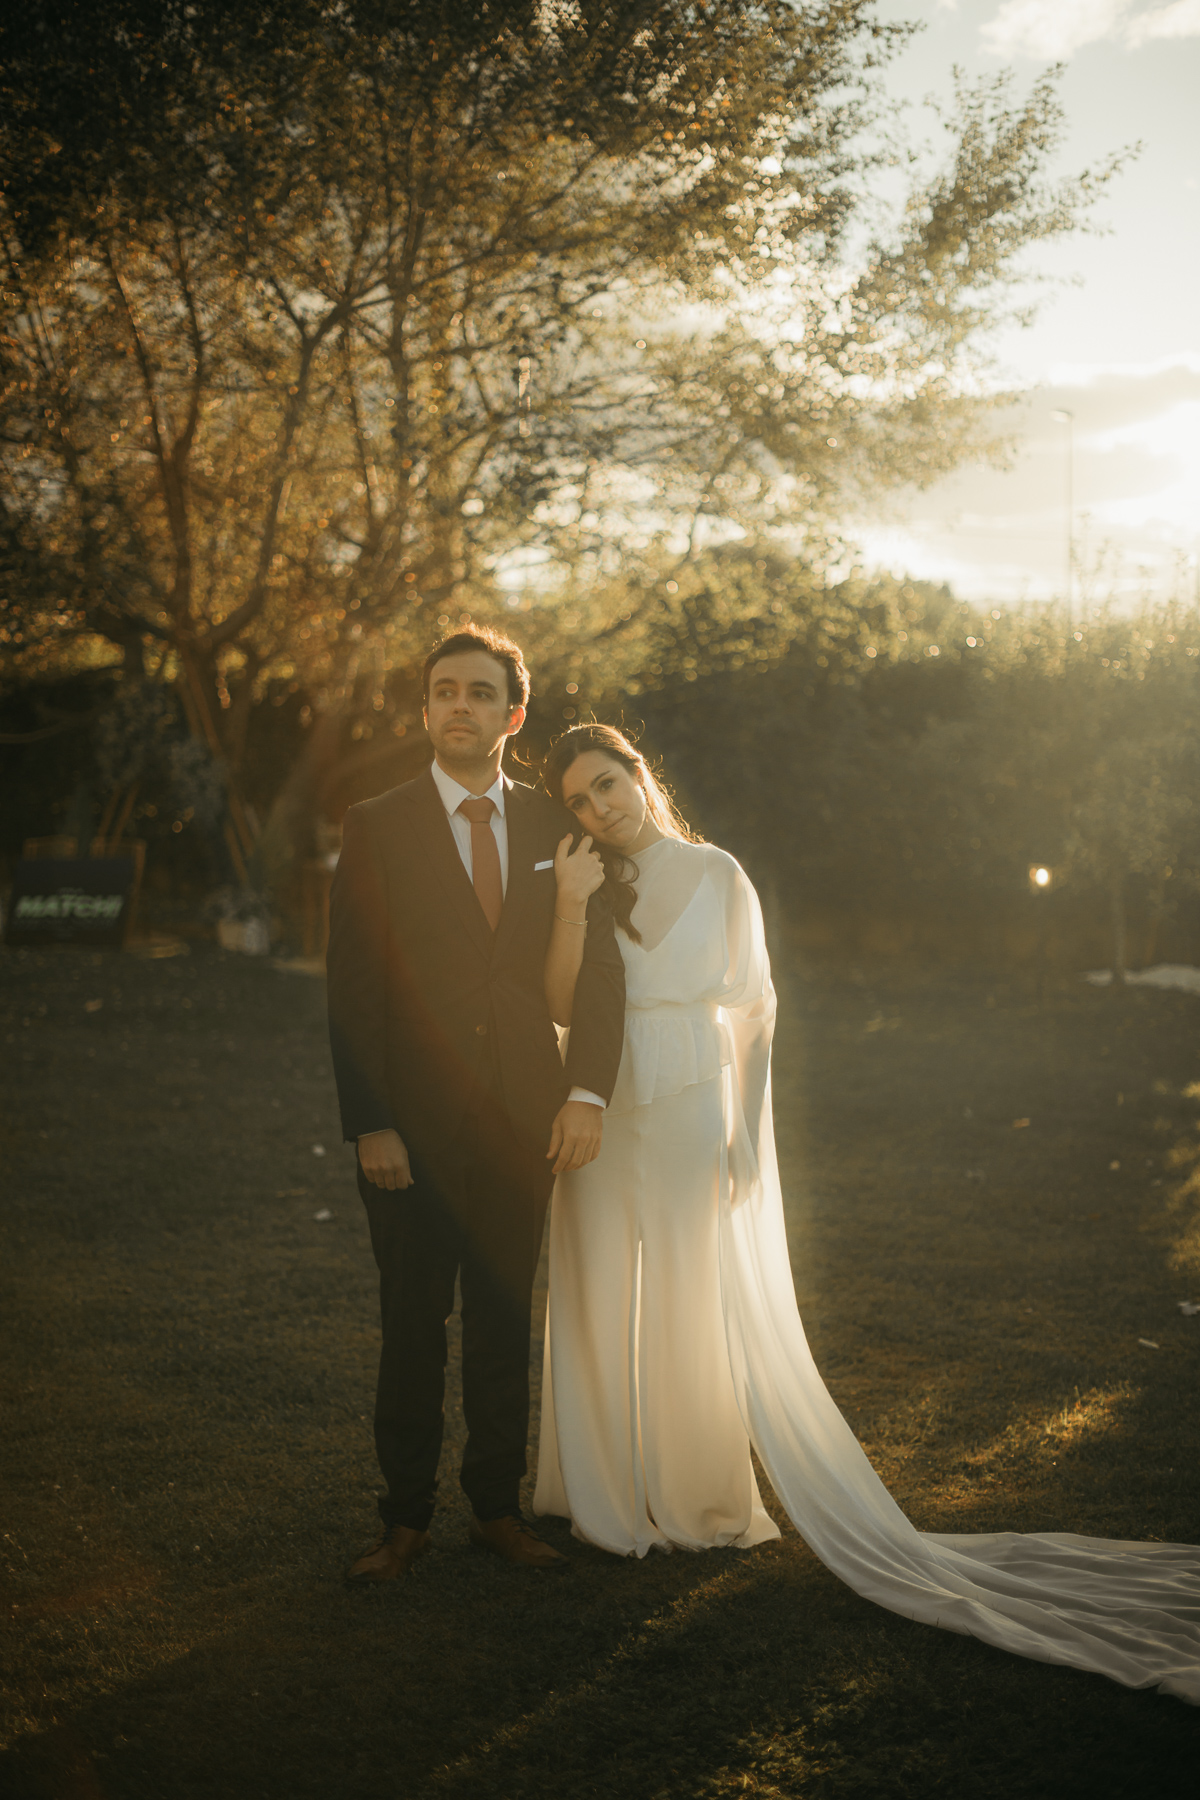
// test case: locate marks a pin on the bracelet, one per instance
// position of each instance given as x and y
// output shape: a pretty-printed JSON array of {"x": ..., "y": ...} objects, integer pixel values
[{"x": 567, "y": 921}]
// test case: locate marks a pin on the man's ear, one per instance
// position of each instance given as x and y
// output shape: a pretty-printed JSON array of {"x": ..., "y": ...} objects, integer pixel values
[{"x": 515, "y": 721}]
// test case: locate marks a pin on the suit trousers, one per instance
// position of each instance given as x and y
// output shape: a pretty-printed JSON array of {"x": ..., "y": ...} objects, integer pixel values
[{"x": 478, "y": 1215}]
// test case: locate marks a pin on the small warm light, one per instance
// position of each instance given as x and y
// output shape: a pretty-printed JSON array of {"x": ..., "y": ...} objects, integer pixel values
[{"x": 1039, "y": 877}]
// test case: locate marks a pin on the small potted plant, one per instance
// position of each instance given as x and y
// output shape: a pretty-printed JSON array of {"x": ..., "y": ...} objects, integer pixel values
[{"x": 241, "y": 919}]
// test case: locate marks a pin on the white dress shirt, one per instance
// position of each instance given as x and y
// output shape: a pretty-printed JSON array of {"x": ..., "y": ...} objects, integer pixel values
[{"x": 452, "y": 796}]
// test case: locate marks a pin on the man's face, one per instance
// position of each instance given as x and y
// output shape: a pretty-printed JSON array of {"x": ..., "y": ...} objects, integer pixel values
[{"x": 468, "y": 715}]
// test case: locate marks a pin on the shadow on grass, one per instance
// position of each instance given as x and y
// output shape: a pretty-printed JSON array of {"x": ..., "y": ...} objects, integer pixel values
[
  {"x": 708, "y": 1676},
  {"x": 190, "y": 1468}
]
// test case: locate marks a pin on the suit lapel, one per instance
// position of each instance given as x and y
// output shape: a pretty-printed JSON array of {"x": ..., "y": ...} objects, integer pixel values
[
  {"x": 433, "y": 830},
  {"x": 522, "y": 852}
]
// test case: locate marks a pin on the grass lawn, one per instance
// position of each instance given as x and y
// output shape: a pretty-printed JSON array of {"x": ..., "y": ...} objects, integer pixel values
[{"x": 187, "y": 1461}]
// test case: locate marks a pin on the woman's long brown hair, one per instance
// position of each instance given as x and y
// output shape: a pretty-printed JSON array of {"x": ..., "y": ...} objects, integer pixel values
[{"x": 620, "y": 872}]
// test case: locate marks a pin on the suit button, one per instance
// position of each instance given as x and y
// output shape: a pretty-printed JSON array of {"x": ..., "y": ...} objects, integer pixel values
[{"x": 481, "y": 1031}]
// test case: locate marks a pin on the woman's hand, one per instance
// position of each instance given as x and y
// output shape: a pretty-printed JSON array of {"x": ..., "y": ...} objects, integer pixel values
[{"x": 578, "y": 873}]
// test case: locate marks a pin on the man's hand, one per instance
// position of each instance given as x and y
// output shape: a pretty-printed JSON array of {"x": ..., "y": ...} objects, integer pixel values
[
  {"x": 575, "y": 1135},
  {"x": 384, "y": 1159}
]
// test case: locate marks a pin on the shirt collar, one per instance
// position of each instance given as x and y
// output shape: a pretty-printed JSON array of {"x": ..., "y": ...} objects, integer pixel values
[{"x": 453, "y": 793}]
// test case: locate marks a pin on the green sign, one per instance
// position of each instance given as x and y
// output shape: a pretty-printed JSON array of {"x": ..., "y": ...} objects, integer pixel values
[{"x": 84, "y": 900}]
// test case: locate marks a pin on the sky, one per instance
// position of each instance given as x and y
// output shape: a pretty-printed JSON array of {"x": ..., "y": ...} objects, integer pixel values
[{"x": 1119, "y": 351}]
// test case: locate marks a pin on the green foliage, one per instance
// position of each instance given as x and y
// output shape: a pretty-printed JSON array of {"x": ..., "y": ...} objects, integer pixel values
[
  {"x": 922, "y": 783},
  {"x": 318, "y": 322}
]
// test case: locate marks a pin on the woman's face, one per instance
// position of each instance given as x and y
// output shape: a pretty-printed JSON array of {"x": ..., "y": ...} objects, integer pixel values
[{"x": 608, "y": 801}]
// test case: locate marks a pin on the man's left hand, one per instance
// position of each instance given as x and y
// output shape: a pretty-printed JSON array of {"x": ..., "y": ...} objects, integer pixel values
[{"x": 575, "y": 1135}]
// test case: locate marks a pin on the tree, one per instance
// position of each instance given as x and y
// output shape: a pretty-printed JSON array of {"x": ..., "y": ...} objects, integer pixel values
[
  {"x": 350, "y": 310},
  {"x": 897, "y": 771}
]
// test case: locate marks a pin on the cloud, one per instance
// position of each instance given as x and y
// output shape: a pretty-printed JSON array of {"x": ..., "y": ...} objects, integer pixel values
[
  {"x": 1051, "y": 29},
  {"x": 1001, "y": 533},
  {"x": 1108, "y": 397},
  {"x": 1179, "y": 21}
]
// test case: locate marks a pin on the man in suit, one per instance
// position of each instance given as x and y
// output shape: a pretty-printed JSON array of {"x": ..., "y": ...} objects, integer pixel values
[{"x": 452, "y": 1087}]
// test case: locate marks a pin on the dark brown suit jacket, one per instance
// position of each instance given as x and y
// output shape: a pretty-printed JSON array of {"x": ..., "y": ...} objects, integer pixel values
[{"x": 428, "y": 1008}]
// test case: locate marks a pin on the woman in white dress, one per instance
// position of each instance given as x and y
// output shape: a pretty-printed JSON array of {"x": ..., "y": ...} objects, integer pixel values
[{"x": 673, "y": 1341}]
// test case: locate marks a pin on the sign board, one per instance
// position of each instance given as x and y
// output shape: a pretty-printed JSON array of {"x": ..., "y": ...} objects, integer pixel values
[{"x": 81, "y": 900}]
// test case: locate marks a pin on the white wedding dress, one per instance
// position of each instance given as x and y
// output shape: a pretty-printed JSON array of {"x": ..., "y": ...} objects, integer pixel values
[{"x": 673, "y": 1341}]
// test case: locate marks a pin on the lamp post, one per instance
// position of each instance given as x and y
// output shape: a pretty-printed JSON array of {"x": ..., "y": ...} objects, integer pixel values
[{"x": 1064, "y": 417}]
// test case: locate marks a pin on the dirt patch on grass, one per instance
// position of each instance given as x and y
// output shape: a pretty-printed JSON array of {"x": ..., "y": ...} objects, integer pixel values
[{"x": 188, "y": 1462}]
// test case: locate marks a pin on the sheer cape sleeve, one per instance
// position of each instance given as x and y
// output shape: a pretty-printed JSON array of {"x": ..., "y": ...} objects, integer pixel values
[
  {"x": 1127, "y": 1610},
  {"x": 746, "y": 1000}
]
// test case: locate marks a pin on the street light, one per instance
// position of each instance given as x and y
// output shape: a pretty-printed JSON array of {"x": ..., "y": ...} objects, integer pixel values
[{"x": 1068, "y": 419}]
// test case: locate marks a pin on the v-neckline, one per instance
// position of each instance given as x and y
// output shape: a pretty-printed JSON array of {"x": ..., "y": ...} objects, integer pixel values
[{"x": 648, "y": 950}]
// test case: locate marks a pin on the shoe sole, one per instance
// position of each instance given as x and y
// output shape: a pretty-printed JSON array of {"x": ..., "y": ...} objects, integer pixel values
[
  {"x": 546, "y": 1568},
  {"x": 365, "y": 1581}
]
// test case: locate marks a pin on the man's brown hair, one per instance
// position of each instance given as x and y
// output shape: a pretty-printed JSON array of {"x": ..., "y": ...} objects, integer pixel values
[{"x": 492, "y": 643}]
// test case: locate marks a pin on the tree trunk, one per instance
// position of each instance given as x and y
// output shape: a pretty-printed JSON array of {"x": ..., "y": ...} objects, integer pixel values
[
  {"x": 236, "y": 722},
  {"x": 287, "y": 836},
  {"x": 196, "y": 687},
  {"x": 1117, "y": 915},
  {"x": 1157, "y": 908}
]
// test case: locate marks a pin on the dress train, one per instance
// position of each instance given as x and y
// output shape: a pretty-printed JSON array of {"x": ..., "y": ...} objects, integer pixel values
[{"x": 674, "y": 1343}]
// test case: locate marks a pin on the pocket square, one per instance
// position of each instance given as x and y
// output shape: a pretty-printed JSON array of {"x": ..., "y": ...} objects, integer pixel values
[{"x": 545, "y": 865}]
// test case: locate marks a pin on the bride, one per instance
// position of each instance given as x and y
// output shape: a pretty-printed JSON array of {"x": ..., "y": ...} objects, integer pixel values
[{"x": 673, "y": 1342}]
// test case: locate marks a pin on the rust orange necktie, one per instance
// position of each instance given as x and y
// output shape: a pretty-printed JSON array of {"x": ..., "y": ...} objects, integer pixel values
[{"x": 485, "y": 858}]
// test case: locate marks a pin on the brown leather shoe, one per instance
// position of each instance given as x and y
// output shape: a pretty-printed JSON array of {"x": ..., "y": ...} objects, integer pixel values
[
  {"x": 397, "y": 1550},
  {"x": 516, "y": 1542}
]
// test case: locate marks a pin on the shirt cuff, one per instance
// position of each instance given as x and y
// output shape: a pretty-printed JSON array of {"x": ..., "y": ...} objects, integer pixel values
[{"x": 578, "y": 1093}]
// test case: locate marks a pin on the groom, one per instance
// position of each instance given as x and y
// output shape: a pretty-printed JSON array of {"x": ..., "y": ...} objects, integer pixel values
[{"x": 451, "y": 1085}]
